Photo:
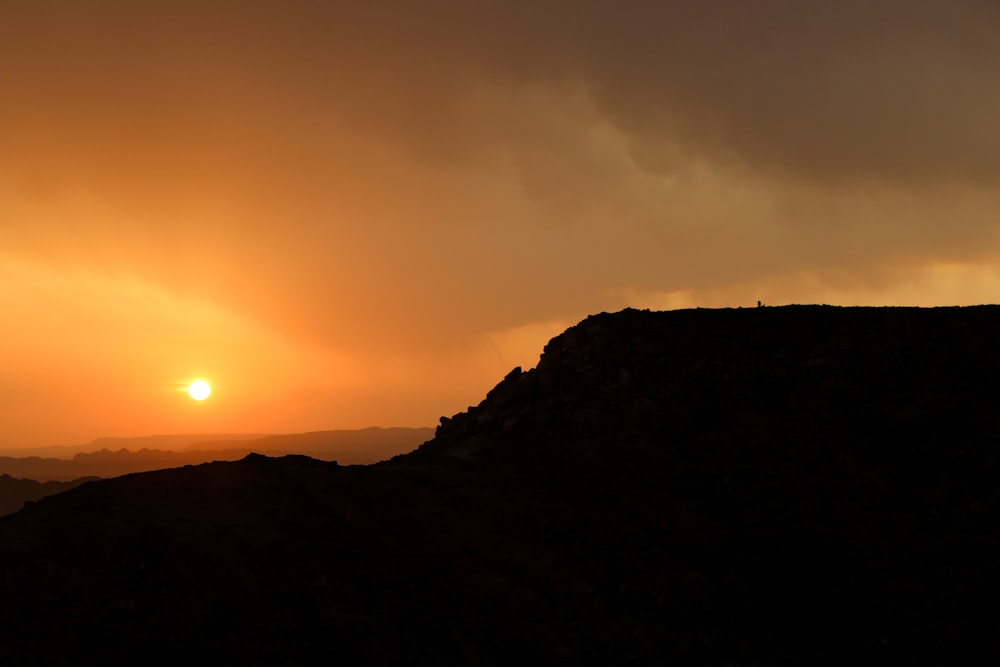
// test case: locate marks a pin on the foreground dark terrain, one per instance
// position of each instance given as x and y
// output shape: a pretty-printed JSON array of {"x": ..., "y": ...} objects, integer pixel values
[{"x": 775, "y": 486}]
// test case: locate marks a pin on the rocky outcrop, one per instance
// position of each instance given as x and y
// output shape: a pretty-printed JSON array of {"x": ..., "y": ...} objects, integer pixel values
[{"x": 861, "y": 378}]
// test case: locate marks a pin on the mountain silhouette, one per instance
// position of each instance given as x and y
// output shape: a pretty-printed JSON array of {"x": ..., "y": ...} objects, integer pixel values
[
  {"x": 167, "y": 442},
  {"x": 801, "y": 485},
  {"x": 349, "y": 446}
]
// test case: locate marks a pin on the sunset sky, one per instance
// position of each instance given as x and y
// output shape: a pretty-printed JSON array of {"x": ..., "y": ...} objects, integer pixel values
[{"x": 345, "y": 214}]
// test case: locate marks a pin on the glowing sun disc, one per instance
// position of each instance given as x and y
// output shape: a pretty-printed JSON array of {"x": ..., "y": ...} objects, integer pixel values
[{"x": 199, "y": 390}]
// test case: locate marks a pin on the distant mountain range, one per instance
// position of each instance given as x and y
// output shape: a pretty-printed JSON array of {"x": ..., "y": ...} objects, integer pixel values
[
  {"x": 349, "y": 447},
  {"x": 366, "y": 445},
  {"x": 32, "y": 477},
  {"x": 802, "y": 485},
  {"x": 170, "y": 442}
]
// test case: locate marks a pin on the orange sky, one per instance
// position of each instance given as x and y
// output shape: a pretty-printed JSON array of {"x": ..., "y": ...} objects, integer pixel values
[{"x": 347, "y": 214}]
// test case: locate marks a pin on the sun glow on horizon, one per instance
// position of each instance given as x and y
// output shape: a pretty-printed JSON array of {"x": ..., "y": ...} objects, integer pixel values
[{"x": 199, "y": 390}]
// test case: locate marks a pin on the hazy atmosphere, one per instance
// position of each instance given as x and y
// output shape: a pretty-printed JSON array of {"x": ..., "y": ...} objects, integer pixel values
[{"x": 344, "y": 214}]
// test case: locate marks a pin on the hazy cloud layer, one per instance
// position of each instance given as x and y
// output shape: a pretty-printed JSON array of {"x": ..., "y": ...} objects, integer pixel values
[{"x": 360, "y": 176}]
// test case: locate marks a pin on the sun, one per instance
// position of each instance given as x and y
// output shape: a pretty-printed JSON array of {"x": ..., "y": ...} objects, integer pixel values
[{"x": 199, "y": 390}]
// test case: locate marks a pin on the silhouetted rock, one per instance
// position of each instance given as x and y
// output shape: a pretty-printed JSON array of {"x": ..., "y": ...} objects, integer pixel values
[{"x": 774, "y": 486}]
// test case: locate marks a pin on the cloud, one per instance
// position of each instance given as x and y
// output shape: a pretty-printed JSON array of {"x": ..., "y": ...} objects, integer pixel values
[
  {"x": 893, "y": 90},
  {"x": 418, "y": 174}
]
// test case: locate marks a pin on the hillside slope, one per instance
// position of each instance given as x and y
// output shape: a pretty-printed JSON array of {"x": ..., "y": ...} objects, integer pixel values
[
  {"x": 14, "y": 492},
  {"x": 781, "y": 486}
]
